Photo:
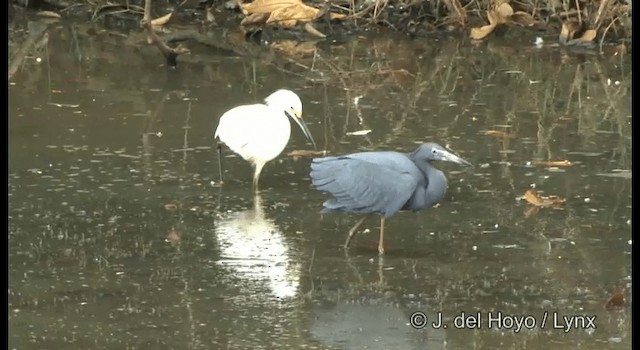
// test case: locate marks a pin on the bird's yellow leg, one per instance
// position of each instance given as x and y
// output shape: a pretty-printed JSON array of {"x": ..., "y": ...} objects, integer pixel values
[
  {"x": 381, "y": 242},
  {"x": 353, "y": 231}
]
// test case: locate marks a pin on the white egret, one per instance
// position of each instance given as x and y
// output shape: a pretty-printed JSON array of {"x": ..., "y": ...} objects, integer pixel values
[{"x": 260, "y": 132}]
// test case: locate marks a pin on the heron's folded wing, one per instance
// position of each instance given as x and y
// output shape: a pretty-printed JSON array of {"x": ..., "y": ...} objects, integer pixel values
[{"x": 362, "y": 186}]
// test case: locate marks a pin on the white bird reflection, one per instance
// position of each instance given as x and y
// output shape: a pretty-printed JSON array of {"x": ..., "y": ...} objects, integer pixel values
[{"x": 253, "y": 246}]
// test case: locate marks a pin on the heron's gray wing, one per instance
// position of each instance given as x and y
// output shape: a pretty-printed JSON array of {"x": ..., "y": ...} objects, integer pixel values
[{"x": 362, "y": 186}]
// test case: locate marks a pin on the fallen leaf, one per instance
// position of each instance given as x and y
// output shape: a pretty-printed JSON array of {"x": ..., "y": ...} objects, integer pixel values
[
  {"x": 558, "y": 163},
  {"x": 588, "y": 36},
  {"x": 534, "y": 198},
  {"x": 523, "y": 18},
  {"x": 359, "y": 132},
  {"x": 267, "y": 6},
  {"x": 617, "y": 300},
  {"x": 499, "y": 134},
  {"x": 313, "y": 31},
  {"x": 160, "y": 21},
  {"x": 504, "y": 11},
  {"x": 255, "y": 18},
  {"x": 482, "y": 32},
  {"x": 288, "y": 16},
  {"x": 285, "y": 13},
  {"x": 569, "y": 28},
  {"x": 49, "y": 14},
  {"x": 306, "y": 153}
]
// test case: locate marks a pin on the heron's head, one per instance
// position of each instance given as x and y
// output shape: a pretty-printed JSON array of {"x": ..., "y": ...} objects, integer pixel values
[
  {"x": 291, "y": 104},
  {"x": 434, "y": 152}
]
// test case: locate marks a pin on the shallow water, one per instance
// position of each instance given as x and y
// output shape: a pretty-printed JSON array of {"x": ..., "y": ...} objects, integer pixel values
[{"x": 110, "y": 153}]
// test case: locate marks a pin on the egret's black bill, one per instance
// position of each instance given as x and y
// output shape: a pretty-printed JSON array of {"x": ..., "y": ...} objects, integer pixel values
[{"x": 305, "y": 130}]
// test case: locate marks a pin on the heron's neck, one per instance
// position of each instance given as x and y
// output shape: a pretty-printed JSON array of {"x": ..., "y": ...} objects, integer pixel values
[{"x": 436, "y": 185}]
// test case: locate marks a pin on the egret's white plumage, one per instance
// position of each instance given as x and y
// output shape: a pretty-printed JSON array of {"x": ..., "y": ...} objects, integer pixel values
[{"x": 260, "y": 132}]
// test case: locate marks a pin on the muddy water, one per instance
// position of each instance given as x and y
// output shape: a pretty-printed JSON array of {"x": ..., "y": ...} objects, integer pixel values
[{"x": 120, "y": 236}]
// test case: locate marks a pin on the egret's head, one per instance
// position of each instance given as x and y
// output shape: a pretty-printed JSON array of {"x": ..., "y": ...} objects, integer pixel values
[
  {"x": 287, "y": 100},
  {"x": 434, "y": 152},
  {"x": 290, "y": 103}
]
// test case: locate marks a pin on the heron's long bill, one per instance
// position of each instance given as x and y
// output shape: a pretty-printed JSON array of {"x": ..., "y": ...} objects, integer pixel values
[
  {"x": 450, "y": 157},
  {"x": 305, "y": 129}
]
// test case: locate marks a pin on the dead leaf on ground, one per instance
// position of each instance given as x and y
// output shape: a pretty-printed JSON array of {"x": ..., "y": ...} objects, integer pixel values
[
  {"x": 569, "y": 29},
  {"x": 499, "y": 134},
  {"x": 558, "y": 163},
  {"x": 616, "y": 300},
  {"x": 588, "y": 36},
  {"x": 255, "y": 18},
  {"x": 285, "y": 13},
  {"x": 288, "y": 16},
  {"x": 523, "y": 18},
  {"x": 482, "y": 32},
  {"x": 266, "y": 6},
  {"x": 49, "y": 14},
  {"x": 293, "y": 48},
  {"x": 536, "y": 199},
  {"x": 160, "y": 21},
  {"x": 306, "y": 153},
  {"x": 503, "y": 12}
]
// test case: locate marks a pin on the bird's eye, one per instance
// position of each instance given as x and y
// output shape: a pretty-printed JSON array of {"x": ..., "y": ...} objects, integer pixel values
[{"x": 435, "y": 151}]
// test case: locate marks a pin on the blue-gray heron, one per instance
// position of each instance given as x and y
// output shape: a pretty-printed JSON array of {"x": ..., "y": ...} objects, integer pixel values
[
  {"x": 382, "y": 182},
  {"x": 259, "y": 132}
]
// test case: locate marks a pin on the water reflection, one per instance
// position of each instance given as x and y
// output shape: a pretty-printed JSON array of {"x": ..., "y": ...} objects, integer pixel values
[
  {"x": 368, "y": 314},
  {"x": 252, "y": 246}
]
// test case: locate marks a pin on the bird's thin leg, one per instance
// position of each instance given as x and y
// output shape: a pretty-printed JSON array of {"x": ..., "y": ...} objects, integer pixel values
[
  {"x": 220, "y": 162},
  {"x": 353, "y": 231},
  {"x": 381, "y": 242},
  {"x": 256, "y": 174}
]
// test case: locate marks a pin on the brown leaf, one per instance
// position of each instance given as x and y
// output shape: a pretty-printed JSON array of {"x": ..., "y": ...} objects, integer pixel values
[
  {"x": 313, "y": 31},
  {"x": 588, "y": 36},
  {"x": 617, "y": 300},
  {"x": 499, "y": 134},
  {"x": 534, "y": 198},
  {"x": 482, "y": 32},
  {"x": 288, "y": 16},
  {"x": 503, "y": 12},
  {"x": 294, "y": 49},
  {"x": 557, "y": 163},
  {"x": 569, "y": 29},
  {"x": 267, "y": 6},
  {"x": 160, "y": 21},
  {"x": 306, "y": 153},
  {"x": 49, "y": 14},
  {"x": 255, "y": 18},
  {"x": 523, "y": 18}
]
